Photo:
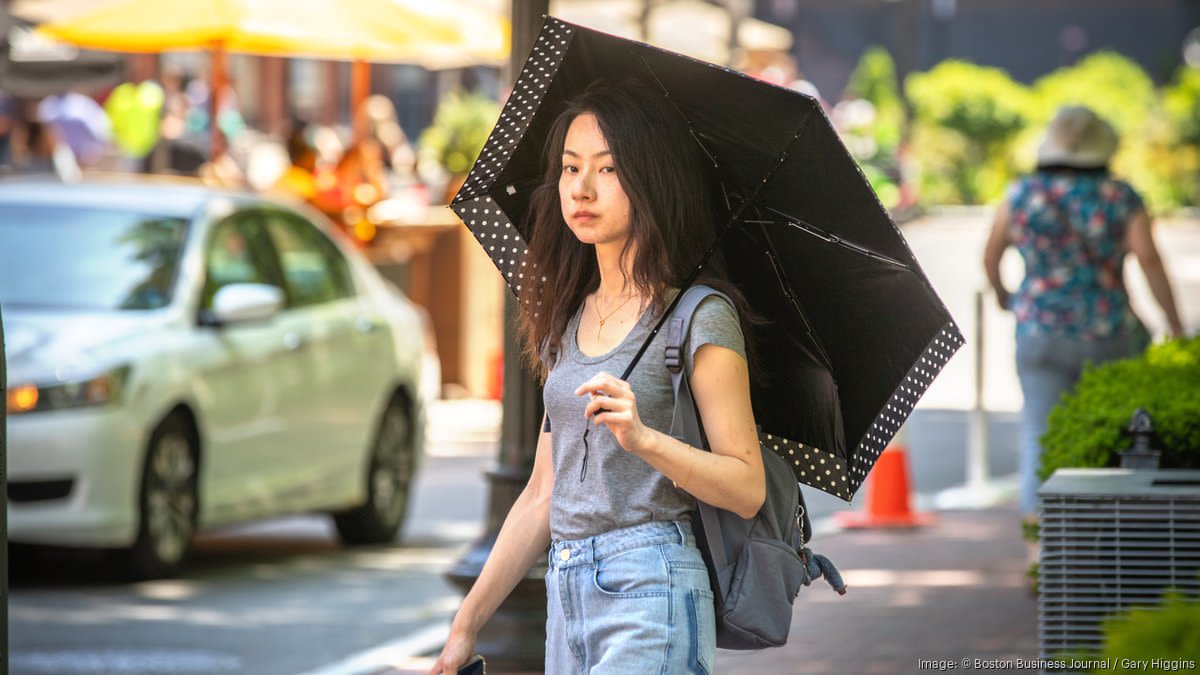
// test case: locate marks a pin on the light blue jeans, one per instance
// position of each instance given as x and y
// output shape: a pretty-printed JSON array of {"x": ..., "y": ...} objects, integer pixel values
[
  {"x": 1049, "y": 366},
  {"x": 634, "y": 600}
]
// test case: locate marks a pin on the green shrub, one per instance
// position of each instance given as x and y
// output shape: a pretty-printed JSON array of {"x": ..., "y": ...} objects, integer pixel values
[
  {"x": 870, "y": 120},
  {"x": 1181, "y": 104},
  {"x": 1169, "y": 632},
  {"x": 460, "y": 128},
  {"x": 874, "y": 79},
  {"x": 1086, "y": 427},
  {"x": 1109, "y": 83},
  {"x": 966, "y": 118},
  {"x": 974, "y": 128}
]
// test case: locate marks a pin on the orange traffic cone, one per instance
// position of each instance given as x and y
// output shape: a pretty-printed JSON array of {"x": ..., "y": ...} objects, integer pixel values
[
  {"x": 888, "y": 494},
  {"x": 496, "y": 388}
]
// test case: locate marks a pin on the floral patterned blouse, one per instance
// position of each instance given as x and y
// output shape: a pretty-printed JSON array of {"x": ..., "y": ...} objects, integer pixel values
[{"x": 1070, "y": 229}]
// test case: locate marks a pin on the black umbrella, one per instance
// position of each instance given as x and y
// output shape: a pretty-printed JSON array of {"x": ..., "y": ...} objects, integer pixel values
[{"x": 857, "y": 333}]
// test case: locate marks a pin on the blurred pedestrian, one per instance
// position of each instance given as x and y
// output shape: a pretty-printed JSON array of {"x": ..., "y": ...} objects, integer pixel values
[
  {"x": 406, "y": 198},
  {"x": 612, "y": 219},
  {"x": 298, "y": 179},
  {"x": 80, "y": 123},
  {"x": 135, "y": 110},
  {"x": 180, "y": 150},
  {"x": 40, "y": 151},
  {"x": 1072, "y": 222},
  {"x": 359, "y": 181},
  {"x": 384, "y": 128},
  {"x": 8, "y": 122}
]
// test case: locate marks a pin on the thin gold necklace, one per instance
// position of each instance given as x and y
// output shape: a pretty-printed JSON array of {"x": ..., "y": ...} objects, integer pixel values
[{"x": 604, "y": 319}]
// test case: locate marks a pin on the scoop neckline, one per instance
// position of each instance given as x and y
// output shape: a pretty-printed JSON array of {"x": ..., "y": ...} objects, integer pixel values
[{"x": 645, "y": 321}]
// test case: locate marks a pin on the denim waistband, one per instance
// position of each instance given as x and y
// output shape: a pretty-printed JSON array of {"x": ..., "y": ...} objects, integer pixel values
[{"x": 591, "y": 549}]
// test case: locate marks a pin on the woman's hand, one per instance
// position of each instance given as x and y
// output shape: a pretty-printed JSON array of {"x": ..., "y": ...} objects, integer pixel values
[
  {"x": 459, "y": 648},
  {"x": 614, "y": 405}
]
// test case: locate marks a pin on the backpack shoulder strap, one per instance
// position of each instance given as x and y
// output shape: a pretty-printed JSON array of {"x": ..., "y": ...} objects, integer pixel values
[
  {"x": 681, "y": 321},
  {"x": 685, "y": 422},
  {"x": 677, "y": 332}
]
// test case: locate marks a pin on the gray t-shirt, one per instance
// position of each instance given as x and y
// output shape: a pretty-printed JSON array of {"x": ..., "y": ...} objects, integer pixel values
[{"x": 620, "y": 488}]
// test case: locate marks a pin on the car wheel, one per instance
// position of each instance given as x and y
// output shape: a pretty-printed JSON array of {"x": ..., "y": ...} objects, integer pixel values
[
  {"x": 390, "y": 469},
  {"x": 166, "y": 501}
]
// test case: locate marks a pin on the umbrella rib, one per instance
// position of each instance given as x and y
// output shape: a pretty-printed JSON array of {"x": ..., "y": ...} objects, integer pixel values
[
  {"x": 667, "y": 95},
  {"x": 786, "y": 285},
  {"x": 733, "y": 220},
  {"x": 809, "y": 228}
]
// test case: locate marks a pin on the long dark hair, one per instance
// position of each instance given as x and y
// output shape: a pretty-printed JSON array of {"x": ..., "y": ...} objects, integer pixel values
[{"x": 674, "y": 208}]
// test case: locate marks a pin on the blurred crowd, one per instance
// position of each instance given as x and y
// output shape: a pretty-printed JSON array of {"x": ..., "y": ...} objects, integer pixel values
[
  {"x": 357, "y": 176},
  {"x": 368, "y": 178}
]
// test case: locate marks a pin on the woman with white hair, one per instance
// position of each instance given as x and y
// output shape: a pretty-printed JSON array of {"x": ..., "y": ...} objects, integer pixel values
[{"x": 1073, "y": 223}]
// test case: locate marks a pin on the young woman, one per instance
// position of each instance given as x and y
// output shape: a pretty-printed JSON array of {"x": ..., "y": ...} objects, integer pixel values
[{"x": 621, "y": 219}]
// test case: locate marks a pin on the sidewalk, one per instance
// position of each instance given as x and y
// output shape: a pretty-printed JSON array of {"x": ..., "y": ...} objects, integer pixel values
[{"x": 953, "y": 591}]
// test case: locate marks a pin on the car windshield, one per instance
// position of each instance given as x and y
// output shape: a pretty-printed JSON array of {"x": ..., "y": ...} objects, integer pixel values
[{"x": 81, "y": 257}]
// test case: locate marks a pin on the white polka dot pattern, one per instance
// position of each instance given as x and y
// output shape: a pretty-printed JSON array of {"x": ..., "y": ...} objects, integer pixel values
[
  {"x": 812, "y": 466},
  {"x": 500, "y": 240},
  {"x": 841, "y": 478},
  {"x": 531, "y": 85},
  {"x": 495, "y": 231}
]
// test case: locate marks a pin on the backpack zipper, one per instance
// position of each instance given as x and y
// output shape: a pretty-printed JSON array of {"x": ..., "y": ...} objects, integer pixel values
[{"x": 800, "y": 524}]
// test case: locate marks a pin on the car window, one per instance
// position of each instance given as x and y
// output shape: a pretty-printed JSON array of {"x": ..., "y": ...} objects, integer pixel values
[
  {"x": 313, "y": 268},
  {"x": 235, "y": 255},
  {"x": 88, "y": 257}
]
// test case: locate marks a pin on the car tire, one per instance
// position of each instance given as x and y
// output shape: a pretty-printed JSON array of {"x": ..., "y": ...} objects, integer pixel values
[
  {"x": 167, "y": 501},
  {"x": 390, "y": 468}
]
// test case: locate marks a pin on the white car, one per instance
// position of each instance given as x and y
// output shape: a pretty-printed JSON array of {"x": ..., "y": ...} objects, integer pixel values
[{"x": 181, "y": 357}]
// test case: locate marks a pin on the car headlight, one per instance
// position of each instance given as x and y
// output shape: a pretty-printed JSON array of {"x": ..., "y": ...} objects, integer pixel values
[{"x": 100, "y": 390}]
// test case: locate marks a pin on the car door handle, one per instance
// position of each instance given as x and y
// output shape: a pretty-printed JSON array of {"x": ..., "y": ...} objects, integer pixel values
[{"x": 293, "y": 341}]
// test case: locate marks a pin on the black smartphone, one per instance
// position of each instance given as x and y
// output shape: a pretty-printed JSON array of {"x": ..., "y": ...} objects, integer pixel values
[{"x": 473, "y": 666}]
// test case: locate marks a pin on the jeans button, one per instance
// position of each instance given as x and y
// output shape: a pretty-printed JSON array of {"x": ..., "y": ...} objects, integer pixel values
[{"x": 564, "y": 555}]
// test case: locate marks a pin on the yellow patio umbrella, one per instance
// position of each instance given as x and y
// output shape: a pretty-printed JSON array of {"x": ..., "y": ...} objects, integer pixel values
[
  {"x": 488, "y": 34},
  {"x": 697, "y": 29},
  {"x": 356, "y": 30}
]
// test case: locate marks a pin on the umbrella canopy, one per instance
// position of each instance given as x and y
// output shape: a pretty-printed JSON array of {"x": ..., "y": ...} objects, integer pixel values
[{"x": 857, "y": 333}]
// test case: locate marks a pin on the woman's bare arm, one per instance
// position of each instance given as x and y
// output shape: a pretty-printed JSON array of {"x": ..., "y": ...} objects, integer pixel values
[
  {"x": 993, "y": 251},
  {"x": 522, "y": 540},
  {"x": 731, "y": 476},
  {"x": 1140, "y": 241}
]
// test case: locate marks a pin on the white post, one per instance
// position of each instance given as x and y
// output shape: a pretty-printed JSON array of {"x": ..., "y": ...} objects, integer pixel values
[
  {"x": 977, "y": 425},
  {"x": 977, "y": 491}
]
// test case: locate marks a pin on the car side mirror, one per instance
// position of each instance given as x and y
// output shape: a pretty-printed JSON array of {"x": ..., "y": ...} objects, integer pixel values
[{"x": 243, "y": 303}]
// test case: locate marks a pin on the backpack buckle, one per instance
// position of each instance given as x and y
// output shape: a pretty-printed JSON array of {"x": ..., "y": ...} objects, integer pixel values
[
  {"x": 674, "y": 362},
  {"x": 674, "y": 349}
]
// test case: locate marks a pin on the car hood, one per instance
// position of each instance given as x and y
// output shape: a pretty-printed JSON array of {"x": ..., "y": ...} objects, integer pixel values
[{"x": 41, "y": 342}]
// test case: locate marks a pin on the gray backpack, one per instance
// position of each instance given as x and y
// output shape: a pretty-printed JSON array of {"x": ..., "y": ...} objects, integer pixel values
[{"x": 756, "y": 566}]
